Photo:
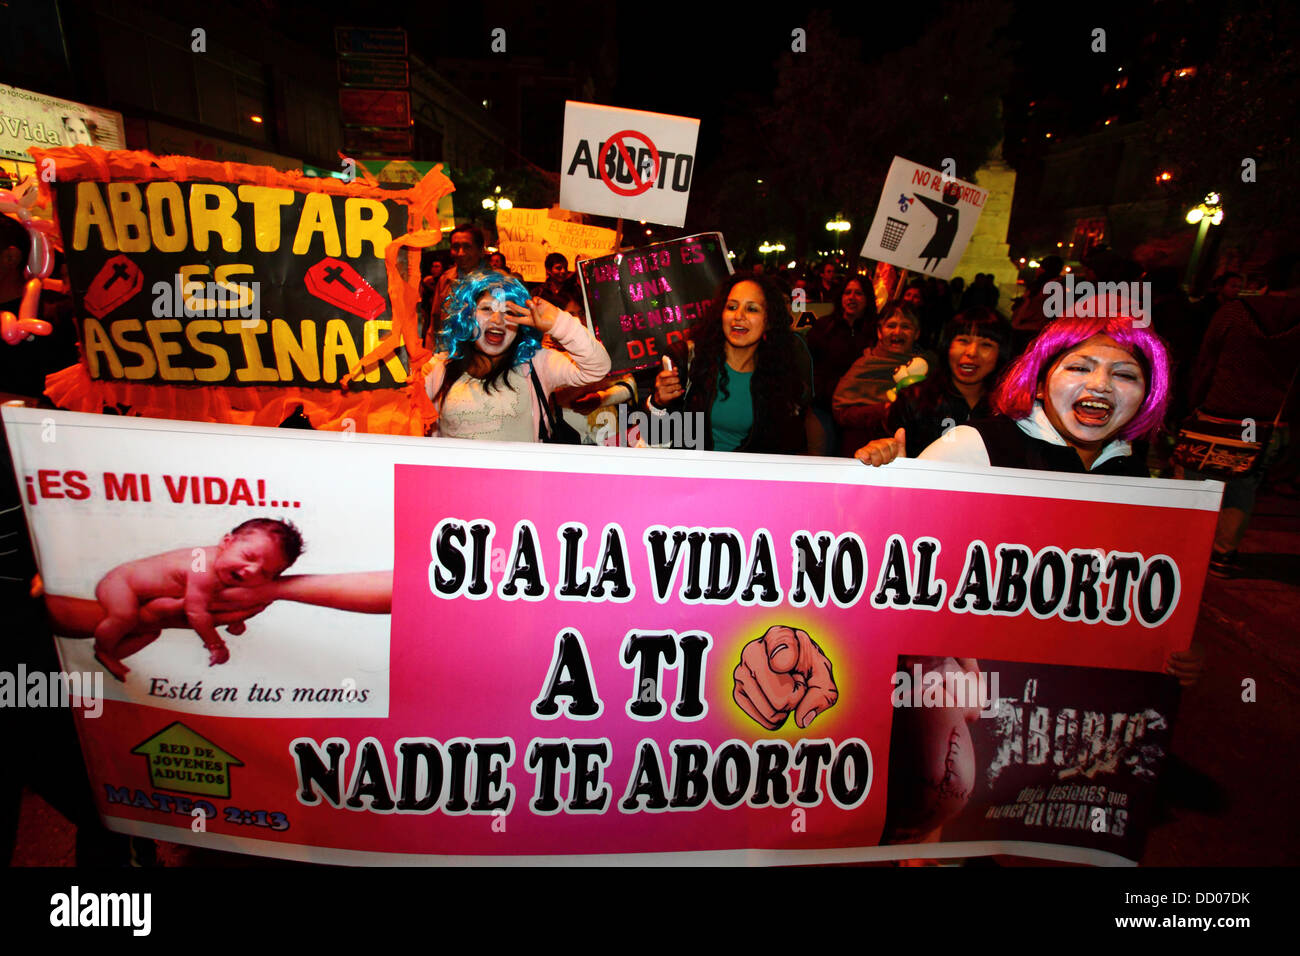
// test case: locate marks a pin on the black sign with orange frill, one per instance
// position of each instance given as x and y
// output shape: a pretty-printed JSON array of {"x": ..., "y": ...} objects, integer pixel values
[{"x": 232, "y": 293}]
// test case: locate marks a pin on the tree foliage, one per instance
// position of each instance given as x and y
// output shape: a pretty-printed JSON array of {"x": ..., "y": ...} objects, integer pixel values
[{"x": 843, "y": 109}]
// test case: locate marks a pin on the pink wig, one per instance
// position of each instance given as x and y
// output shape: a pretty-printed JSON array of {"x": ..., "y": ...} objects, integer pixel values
[{"x": 1015, "y": 393}]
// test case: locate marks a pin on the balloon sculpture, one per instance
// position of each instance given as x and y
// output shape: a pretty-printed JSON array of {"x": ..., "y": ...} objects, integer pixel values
[{"x": 40, "y": 263}]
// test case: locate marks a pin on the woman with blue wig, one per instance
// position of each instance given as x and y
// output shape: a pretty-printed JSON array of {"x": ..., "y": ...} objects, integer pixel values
[{"x": 490, "y": 366}]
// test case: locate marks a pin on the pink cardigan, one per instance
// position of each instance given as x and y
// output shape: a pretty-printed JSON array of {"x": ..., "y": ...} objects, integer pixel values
[{"x": 584, "y": 362}]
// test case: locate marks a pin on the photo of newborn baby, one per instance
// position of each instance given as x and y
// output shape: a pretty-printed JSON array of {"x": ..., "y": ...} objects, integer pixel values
[{"x": 138, "y": 596}]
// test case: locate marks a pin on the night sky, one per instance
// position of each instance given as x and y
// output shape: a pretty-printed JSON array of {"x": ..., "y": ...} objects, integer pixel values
[
  {"x": 710, "y": 61},
  {"x": 703, "y": 60}
]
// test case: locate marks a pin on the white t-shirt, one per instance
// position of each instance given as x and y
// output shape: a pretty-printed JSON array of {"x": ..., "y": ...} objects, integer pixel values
[{"x": 503, "y": 414}]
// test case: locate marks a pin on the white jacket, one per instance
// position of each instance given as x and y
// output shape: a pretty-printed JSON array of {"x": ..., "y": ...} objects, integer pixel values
[{"x": 584, "y": 362}]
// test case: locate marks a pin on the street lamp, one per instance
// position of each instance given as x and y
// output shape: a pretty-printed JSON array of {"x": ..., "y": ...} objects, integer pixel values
[
  {"x": 498, "y": 201},
  {"x": 767, "y": 248},
  {"x": 839, "y": 225},
  {"x": 1207, "y": 213}
]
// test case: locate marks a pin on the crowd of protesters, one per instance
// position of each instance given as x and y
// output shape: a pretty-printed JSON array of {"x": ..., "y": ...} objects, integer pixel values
[
  {"x": 827, "y": 361},
  {"x": 882, "y": 372},
  {"x": 937, "y": 370}
]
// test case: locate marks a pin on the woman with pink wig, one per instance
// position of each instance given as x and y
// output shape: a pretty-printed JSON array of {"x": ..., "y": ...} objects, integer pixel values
[
  {"x": 1083, "y": 390},
  {"x": 1074, "y": 401}
]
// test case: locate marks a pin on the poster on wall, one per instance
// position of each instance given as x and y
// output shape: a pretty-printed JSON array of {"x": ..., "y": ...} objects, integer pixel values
[{"x": 456, "y": 651}]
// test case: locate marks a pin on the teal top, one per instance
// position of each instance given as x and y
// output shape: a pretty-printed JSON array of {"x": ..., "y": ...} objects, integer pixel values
[{"x": 733, "y": 416}]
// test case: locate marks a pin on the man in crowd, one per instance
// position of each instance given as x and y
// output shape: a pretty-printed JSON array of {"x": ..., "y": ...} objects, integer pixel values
[
  {"x": 1031, "y": 316},
  {"x": 467, "y": 255},
  {"x": 556, "y": 288},
  {"x": 1246, "y": 372},
  {"x": 826, "y": 288}
]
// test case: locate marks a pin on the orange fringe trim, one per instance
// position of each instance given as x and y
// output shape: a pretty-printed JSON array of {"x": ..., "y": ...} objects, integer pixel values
[{"x": 405, "y": 410}]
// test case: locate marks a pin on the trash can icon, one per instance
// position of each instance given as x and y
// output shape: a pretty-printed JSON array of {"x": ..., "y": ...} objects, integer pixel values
[{"x": 894, "y": 229}]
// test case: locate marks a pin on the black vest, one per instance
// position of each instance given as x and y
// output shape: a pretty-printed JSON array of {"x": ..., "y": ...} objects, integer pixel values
[{"x": 1009, "y": 447}]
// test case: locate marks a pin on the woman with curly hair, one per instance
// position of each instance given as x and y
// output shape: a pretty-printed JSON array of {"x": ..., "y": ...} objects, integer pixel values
[
  {"x": 486, "y": 378},
  {"x": 743, "y": 370}
]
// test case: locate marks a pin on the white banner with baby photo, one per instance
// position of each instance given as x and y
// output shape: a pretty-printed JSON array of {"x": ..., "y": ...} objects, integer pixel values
[{"x": 136, "y": 533}]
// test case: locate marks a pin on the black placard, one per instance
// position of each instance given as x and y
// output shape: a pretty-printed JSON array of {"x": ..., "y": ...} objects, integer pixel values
[
  {"x": 315, "y": 267},
  {"x": 642, "y": 300}
]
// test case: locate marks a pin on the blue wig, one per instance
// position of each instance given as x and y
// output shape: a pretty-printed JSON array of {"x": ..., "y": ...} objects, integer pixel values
[{"x": 461, "y": 325}]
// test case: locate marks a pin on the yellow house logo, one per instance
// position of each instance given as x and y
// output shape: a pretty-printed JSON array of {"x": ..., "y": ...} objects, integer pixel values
[{"x": 180, "y": 759}]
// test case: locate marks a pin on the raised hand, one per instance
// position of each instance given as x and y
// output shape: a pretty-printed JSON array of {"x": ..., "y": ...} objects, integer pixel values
[
  {"x": 883, "y": 450},
  {"x": 668, "y": 387},
  {"x": 540, "y": 314}
]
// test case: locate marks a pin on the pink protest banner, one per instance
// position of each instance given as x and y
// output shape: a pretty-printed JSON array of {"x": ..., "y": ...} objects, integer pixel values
[{"x": 522, "y": 653}]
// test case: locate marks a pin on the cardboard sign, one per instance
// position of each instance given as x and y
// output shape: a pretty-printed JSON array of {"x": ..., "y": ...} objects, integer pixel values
[
  {"x": 223, "y": 292},
  {"x": 627, "y": 163},
  {"x": 925, "y": 219},
  {"x": 534, "y": 652},
  {"x": 527, "y": 236},
  {"x": 244, "y": 286},
  {"x": 641, "y": 301}
]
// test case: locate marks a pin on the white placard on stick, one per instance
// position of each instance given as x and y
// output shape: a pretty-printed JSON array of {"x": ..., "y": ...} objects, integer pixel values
[
  {"x": 924, "y": 220},
  {"x": 627, "y": 163}
]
